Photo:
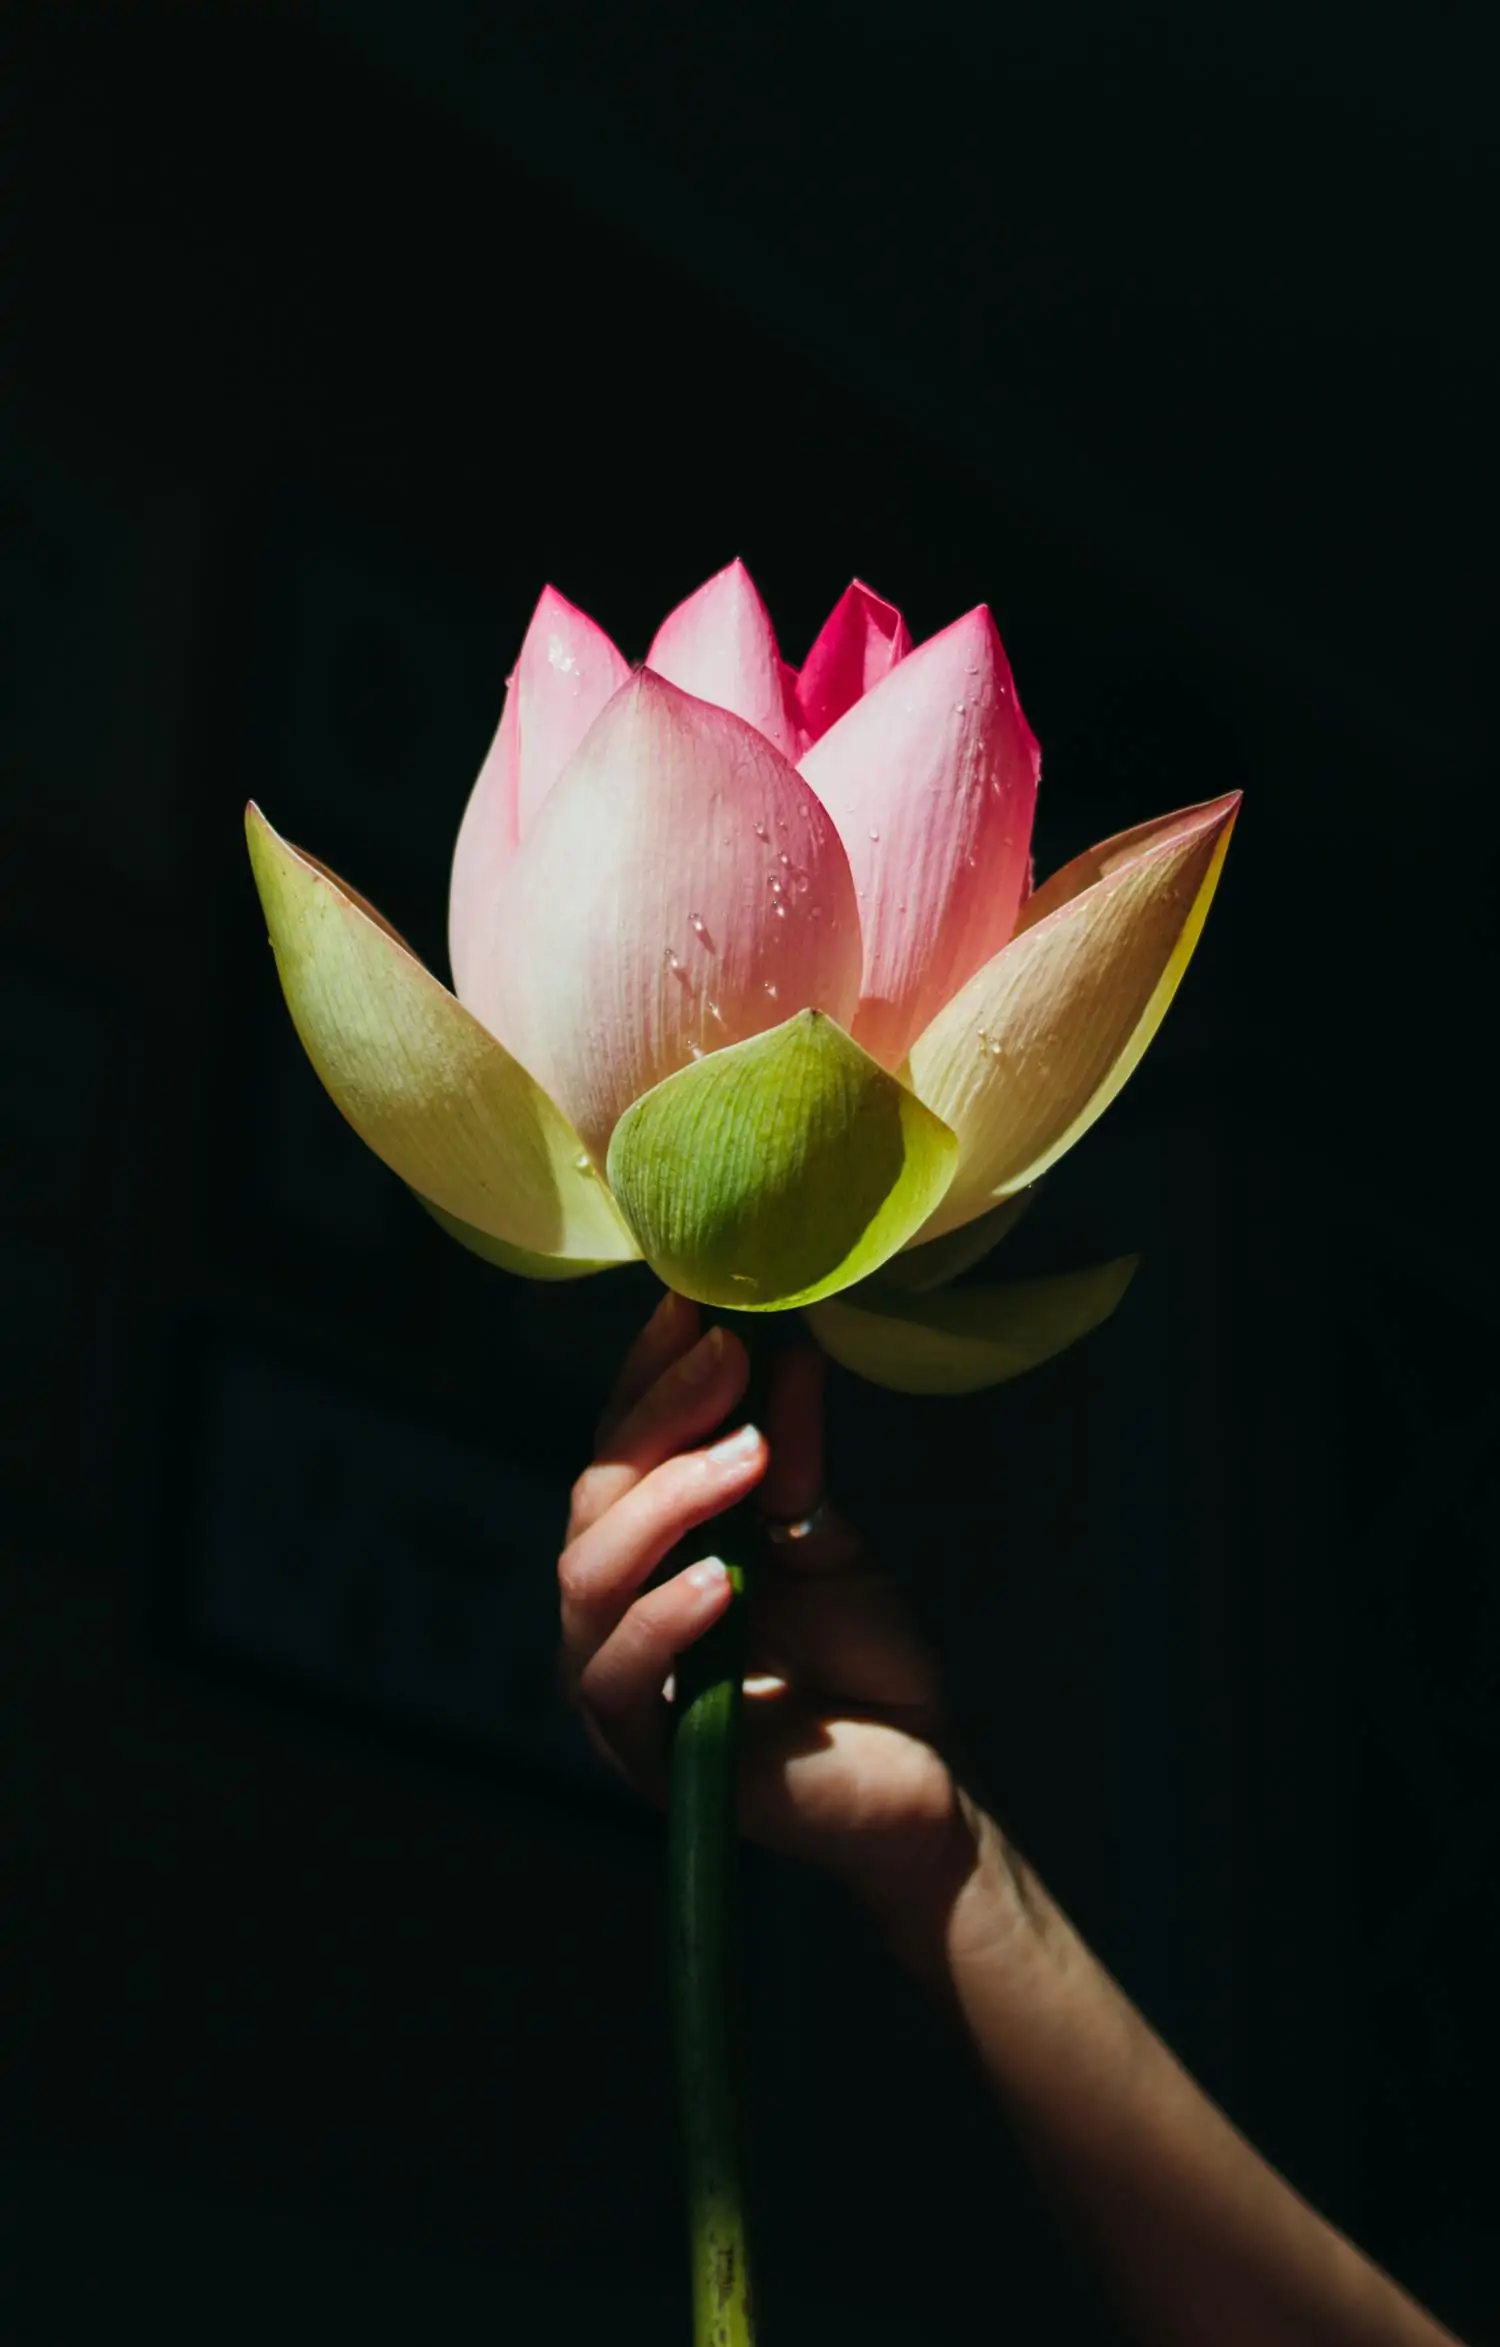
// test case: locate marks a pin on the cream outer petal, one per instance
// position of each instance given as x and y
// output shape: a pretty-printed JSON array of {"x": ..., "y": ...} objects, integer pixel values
[
  {"x": 422, "y": 1083},
  {"x": 1037, "y": 1044}
]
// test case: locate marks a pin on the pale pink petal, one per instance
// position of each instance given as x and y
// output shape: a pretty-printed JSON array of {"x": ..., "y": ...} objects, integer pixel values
[
  {"x": 486, "y": 840},
  {"x": 860, "y": 642},
  {"x": 931, "y": 779},
  {"x": 566, "y": 671},
  {"x": 681, "y": 889},
  {"x": 720, "y": 646}
]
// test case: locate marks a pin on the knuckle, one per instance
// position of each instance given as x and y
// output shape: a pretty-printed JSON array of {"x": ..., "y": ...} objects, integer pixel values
[
  {"x": 572, "y": 1577},
  {"x": 581, "y": 1497}
]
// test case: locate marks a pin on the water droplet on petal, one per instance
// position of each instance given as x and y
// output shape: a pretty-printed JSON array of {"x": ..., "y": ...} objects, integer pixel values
[
  {"x": 995, "y": 1047},
  {"x": 779, "y": 909},
  {"x": 581, "y": 1164},
  {"x": 958, "y": 708},
  {"x": 714, "y": 1011},
  {"x": 770, "y": 988},
  {"x": 695, "y": 1050},
  {"x": 800, "y": 883},
  {"x": 761, "y": 832},
  {"x": 698, "y": 925},
  {"x": 874, "y": 835},
  {"x": 670, "y": 959},
  {"x": 774, "y": 884}
]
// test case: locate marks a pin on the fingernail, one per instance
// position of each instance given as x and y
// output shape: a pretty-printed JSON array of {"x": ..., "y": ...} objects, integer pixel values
[
  {"x": 736, "y": 1448},
  {"x": 709, "y": 1574},
  {"x": 696, "y": 1367}
]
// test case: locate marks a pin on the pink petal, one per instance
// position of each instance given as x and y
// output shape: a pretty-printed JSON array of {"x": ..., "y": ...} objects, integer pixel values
[
  {"x": 860, "y": 642},
  {"x": 566, "y": 671},
  {"x": 486, "y": 840},
  {"x": 931, "y": 779},
  {"x": 681, "y": 889},
  {"x": 720, "y": 646}
]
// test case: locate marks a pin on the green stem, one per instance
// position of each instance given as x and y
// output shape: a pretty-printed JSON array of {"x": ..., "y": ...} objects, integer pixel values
[{"x": 702, "y": 1851}]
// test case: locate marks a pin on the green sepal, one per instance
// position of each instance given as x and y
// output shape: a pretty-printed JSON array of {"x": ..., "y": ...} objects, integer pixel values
[
  {"x": 779, "y": 1170},
  {"x": 962, "y": 1339}
]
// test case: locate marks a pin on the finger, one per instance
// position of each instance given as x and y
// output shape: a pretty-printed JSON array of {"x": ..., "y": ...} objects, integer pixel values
[
  {"x": 620, "y": 1687},
  {"x": 671, "y": 1329},
  {"x": 793, "y": 1483},
  {"x": 602, "y": 1569},
  {"x": 688, "y": 1401}
]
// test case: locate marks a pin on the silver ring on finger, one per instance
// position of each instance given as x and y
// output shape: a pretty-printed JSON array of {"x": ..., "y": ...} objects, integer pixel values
[{"x": 788, "y": 1533}]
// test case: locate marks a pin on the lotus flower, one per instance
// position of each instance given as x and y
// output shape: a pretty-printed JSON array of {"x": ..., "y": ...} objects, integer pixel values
[{"x": 750, "y": 979}]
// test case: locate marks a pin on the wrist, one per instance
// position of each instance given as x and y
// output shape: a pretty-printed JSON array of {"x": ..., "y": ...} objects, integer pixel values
[{"x": 951, "y": 1894}]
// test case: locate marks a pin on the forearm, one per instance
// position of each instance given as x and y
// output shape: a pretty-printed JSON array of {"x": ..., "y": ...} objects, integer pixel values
[{"x": 1199, "y": 2239}]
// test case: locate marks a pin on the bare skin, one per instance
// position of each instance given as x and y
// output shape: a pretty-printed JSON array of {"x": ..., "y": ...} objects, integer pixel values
[{"x": 1197, "y": 2239}]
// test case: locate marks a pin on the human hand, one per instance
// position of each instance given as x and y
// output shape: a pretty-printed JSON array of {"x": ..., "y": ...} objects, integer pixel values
[{"x": 841, "y": 1696}]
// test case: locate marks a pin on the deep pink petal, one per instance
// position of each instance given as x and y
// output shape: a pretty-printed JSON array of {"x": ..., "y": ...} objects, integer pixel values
[
  {"x": 860, "y": 642},
  {"x": 931, "y": 778},
  {"x": 681, "y": 889},
  {"x": 566, "y": 671},
  {"x": 720, "y": 646}
]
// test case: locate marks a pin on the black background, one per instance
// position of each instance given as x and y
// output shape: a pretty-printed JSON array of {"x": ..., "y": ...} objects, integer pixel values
[{"x": 329, "y": 333}]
